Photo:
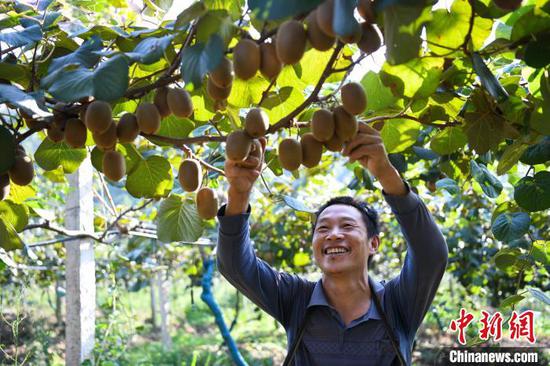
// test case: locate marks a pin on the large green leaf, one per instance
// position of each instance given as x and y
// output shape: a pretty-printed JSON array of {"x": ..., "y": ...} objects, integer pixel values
[
  {"x": 7, "y": 150},
  {"x": 107, "y": 82},
  {"x": 51, "y": 155},
  {"x": 399, "y": 134},
  {"x": 199, "y": 59},
  {"x": 15, "y": 72},
  {"x": 417, "y": 78},
  {"x": 17, "y": 214},
  {"x": 282, "y": 102},
  {"x": 178, "y": 220},
  {"x": 19, "y": 194},
  {"x": 9, "y": 240},
  {"x": 296, "y": 204},
  {"x": 151, "y": 178},
  {"x": 511, "y": 300},
  {"x": 541, "y": 252},
  {"x": 530, "y": 23},
  {"x": 490, "y": 185},
  {"x": 511, "y": 156},
  {"x": 506, "y": 258},
  {"x": 86, "y": 55},
  {"x": 150, "y": 50},
  {"x": 538, "y": 153},
  {"x": 488, "y": 79},
  {"x": 511, "y": 226},
  {"x": 448, "y": 141},
  {"x": 539, "y": 295},
  {"x": 379, "y": 96},
  {"x": 343, "y": 22},
  {"x": 20, "y": 99},
  {"x": 215, "y": 22},
  {"x": 17, "y": 38},
  {"x": 449, "y": 185},
  {"x": 533, "y": 193},
  {"x": 537, "y": 52},
  {"x": 281, "y": 8},
  {"x": 174, "y": 127},
  {"x": 194, "y": 11},
  {"x": 540, "y": 119},
  {"x": 245, "y": 93}
]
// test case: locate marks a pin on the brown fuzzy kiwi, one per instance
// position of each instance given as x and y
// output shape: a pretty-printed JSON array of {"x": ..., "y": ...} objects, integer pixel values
[
  {"x": 161, "y": 102},
  {"x": 270, "y": 65},
  {"x": 22, "y": 170},
  {"x": 98, "y": 116},
  {"x": 4, "y": 186},
  {"x": 318, "y": 39},
  {"x": 291, "y": 42},
  {"x": 220, "y": 105},
  {"x": 222, "y": 75},
  {"x": 354, "y": 99},
  {"x": 75, "y": 133},
  {"x": 82, "y": 113},
  {"x": 190, "y": 174},
  {"x": 207, "y": 203},
  {"x": 256, "y": 122},
  {"x": 355, "y": 36},
  {"x": 215, "y": 92},
  {"x": 312, "y": 150},
  {"x": 345, "y": 123},
  {"x": 180, "y": 103},
  {"x": 148, "y": 118},
  {"x": 237, "y": 145},
  {"x": 334, "y": 144},
  {"x": 106, "y": 140},
  {"x": 365, "y": 8},
  {"x": 55, "y": 133},
  {"x": 127, "y": 128},
  {"x": 246, "y": 59},
  {"x": 290, "y": 154},
  {"x": 322, "y": 125},
  {"x": 370, "y": 39},
  {"x": 325, "y": 14},
  {"x": 508, "y": 4},
  {"x": 114, "y": 165}
]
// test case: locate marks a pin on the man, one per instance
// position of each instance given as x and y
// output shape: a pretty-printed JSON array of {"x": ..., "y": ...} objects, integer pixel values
[{"x": 336, "y": 321}]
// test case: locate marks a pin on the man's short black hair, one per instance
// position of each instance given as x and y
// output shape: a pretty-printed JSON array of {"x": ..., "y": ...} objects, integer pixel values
[{"x": 370, "y": 216}]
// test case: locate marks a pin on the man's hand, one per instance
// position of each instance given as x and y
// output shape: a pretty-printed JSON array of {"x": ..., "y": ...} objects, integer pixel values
[
  {"x": 241, "y": 176},
  {"x": 368, "y": 149}
]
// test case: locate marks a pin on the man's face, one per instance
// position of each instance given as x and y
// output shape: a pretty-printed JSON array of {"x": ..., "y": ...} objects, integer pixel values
[{"x": 340, "y": 240}]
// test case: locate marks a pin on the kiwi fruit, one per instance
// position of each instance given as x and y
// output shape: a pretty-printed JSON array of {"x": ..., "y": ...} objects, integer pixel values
[
  {"x": 207, "y": 203},
  {"x": 246, "y": 59},
  {"x": 325, "y": 14},
  {"x": 190, "y": 174},
  {"x": 508, "y": 4},
  {"x": 114, "y": 165},
  {"x": 322, "y": 125},
  {"x": 237, "y": 145},
  {"x": 355, "y": 36},
  {"x": 256, "y": 122},
  {"x": 365, "y": 8},
  {"x": 316, "y": 37},
  {"x": 334, "y": 144},
  {"x": 311, "y": 150},
  {"x": 345, "y": 123},
  {"x": 220, "y": 105},
  {"x": 22, "y": 170},
  {"x": 370, "y": 39},
  {"x": 148, "y": 118},
  {"x": 98, "y": 116},
  {"x": 55, "y": 133},
  {"x": 354, "y": 99},
  {"x": 222, "y": 75},
  {"x": 270, "y": 65},
  {"x": 106, "y": 140},
  {"x": 180, "y": 103},
  {"x": 75, "y": 133},
  {"x": 215, "y": 92},
  {"x": 4, "y": 186},
  {"x": 290, "y": 154},
  {"x": 431, "y": 186},
  {"x": 127, "y": 128},
  {"x": 291, "y": 42},
  {"x": 161, "y": 102}
]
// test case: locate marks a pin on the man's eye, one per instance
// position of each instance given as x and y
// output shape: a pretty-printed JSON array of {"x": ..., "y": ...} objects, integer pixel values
[{"x": 321, "y": 228}]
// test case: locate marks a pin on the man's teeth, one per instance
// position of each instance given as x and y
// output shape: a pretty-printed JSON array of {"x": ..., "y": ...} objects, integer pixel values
[{"x": 336, "y": 250}]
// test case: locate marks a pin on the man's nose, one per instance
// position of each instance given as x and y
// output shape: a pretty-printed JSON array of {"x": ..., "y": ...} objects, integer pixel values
[{"x": 335, "y": 233}]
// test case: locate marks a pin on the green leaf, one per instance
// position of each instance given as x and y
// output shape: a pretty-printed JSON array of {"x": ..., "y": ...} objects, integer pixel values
[
  {"x": 175, "y": 127},
  {"x": 530, "y": 23},
  {"x": 15, "y": 72},
  {"x": 399, "y": 134},
  {"x": 192, "y": 12},
  {"x": 7, "y": 150},
  {"x": 86, "y": 55},
  {"x": 272, "y": 10},
  {"x": 151, "y": 178},
  {"x": 296, "y": 204},
  {"x": 178, "y": 220},
  {"x": 417, "y": 78},
  {"x": 511, "y": 226},
  {"x": 19, "y": 194},
  {"x": 199, "y": 59},
  {"x": 107, "y": 82},
  {"x": 448, "y": 184},
  {"x": 17, "y": 38},
  {"x": 379, "y": 96},
  {"x": 51, "y": 155},
  {"x": 490, "y": 185},
  {"x": 540, "y": 119},
  {"x": 541, "y": 252},
  {"x": 533, "y": 193},
  {"x": 448, "y": 140},
  {"x": 150, "y": 50},
  {"x": 20, "y": 99},
  {"x": 245, "y": 93},
  {"x": 16, "y": 214},
  {"x": 9, "y": 240},
  {"x": 425, "y": 154},
  {"x": 215, "y": 22},
  {"x": 511, "y": 156},
  {"x": 343, "y": 22},
  {"x": 488, "y": 80},
  {"x": 301, "y": 259},
  {"x": 282, "y": 102},
  {"x": 539, "y": 295},
  {"x": 511, "y": 300},
  {"x": 506, "y": 258},
  {"x": 537, "y": 52}
]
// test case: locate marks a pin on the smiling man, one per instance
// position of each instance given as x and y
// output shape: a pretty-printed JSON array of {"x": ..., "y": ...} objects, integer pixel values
[{"x": 345, "y": 318}]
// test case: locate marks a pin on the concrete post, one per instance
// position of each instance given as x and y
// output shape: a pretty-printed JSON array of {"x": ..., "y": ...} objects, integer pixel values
[
  {"x": 80, "y": 269},
  {"x": 164, "y": 308}
]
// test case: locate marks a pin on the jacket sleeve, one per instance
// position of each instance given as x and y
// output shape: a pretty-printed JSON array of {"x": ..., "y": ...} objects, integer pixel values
[
  {"x": 272, "y": 291},
  {"x": 425, "y": 262}
]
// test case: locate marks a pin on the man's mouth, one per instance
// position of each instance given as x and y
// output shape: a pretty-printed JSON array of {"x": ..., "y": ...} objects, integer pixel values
[{"x": 336, "y": 251}]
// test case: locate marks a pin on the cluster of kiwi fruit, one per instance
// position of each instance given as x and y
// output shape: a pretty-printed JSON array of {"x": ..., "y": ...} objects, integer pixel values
[
  {"x": 190, "y": 177},
  {"x": 21, "y": 172},
  {"x": 329, "y": 129}
]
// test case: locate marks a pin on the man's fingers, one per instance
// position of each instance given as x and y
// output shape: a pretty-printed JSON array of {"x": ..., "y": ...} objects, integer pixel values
[
  {"x": 363, "y": 127},
  {"x": 360, "y": 139},
  {"x": 365, "y": 150}
]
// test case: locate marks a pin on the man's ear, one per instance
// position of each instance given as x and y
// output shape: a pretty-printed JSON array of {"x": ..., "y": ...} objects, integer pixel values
[{"x": 373, "y": 244}]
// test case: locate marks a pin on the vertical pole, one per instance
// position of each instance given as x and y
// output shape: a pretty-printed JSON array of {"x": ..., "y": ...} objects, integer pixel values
[
  {"x": 164, "y": 307},
  {"x": 153, "y": 304},
  {"x": 80, "y": 269}
]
